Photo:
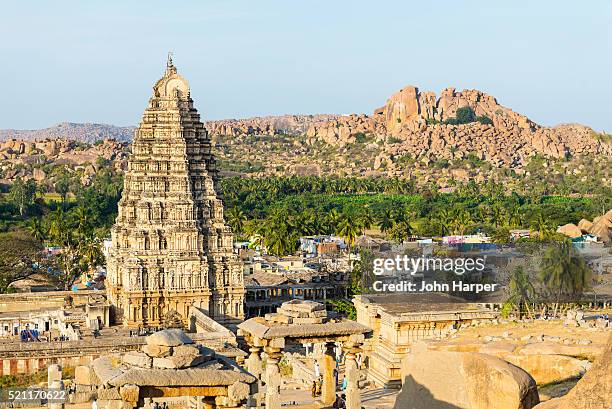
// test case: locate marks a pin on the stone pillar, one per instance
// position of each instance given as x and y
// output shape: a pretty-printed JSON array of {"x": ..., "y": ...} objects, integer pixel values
[
  {"x": 54, "y": 373},
  {"x": 254, "y": 362},
  {"x": 255, "y": 368},
  {"x": 57, "y": 384},
  {"x": 353, "y": 397},
  {"x": 273, "y": 379},
  {"x": 328, "y": 363}
]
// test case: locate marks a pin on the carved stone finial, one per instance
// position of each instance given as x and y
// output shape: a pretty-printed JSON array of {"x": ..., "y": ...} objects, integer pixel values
[{"x": 170, "y": 68}]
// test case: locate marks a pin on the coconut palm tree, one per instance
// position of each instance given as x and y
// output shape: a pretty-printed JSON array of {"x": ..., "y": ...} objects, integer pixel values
[
  {"x": 349, "y": 228},
  {"x": 37, "y": 229},
  {"x": 385, "y": 221},
  {"x": 521, "y": 290},
  {"x": 401, "y": 231},
  {"x": 564, "y": 272},
  {"x": 365, "y": 218},
  {"x": 236, "y": 219},
  {"x": 497, "y": 216},
  {"x": 444, "y": 221},
  {"x": 332, "y": 220},
  {"x": 542, "y": 227},
  {"x": 514, "y": 217},
  {"x": 82, "y": 216}
]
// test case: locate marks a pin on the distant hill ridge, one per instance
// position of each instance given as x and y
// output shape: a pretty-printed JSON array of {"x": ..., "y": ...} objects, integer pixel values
[
  {"x": 83, "y": 132},
  {"x": 411, "y": 124}
]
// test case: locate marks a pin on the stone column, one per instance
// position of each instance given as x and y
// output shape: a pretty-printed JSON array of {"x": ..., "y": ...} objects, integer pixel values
[
  {"x": 273, "y": 379},
  {"x": 56, "y": 384},
  {"x": 254, "y": 362},
  {"x": 353, "y": 397},
  {"x": 255, "y": 368},
  {"x": 328, "y": 363},
  {"x": 54, "y": 373}
]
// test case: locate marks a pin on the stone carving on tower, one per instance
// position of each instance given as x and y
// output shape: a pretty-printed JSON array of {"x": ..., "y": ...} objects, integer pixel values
[{"x": 171, "y": 248}]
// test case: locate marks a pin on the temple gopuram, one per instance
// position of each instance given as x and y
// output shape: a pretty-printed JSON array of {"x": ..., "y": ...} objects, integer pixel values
[{"x": 171, "y": 249}]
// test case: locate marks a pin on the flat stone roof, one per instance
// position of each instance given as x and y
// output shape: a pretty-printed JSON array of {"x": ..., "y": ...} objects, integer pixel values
[
  {"x": 398, "y": 304},
  {"x": 263, "y": 330}
]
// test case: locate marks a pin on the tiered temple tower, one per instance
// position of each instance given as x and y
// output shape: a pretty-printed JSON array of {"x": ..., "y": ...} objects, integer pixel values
[{"x": 171, "y": 248}]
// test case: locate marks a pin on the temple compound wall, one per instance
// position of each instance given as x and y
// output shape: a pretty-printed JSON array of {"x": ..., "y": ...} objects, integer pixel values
[
  {"x": 399, "y": 321},
  {"x": 171, "y": 248}
]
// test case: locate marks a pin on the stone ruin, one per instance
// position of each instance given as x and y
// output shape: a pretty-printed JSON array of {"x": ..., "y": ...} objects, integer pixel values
[
  {"x": 299, "y": 312},
  {"x": 303, "y": 322},
  {"x": 170, "y": 368},
  {"x": 575, "y": 318}
]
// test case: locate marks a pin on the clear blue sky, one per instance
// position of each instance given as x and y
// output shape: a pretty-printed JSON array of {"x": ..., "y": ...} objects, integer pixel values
[{"x": 96, "y": 61}]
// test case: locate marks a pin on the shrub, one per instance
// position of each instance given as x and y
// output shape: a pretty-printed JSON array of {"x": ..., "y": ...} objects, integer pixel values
[
  {"x": 360, "y": 137},
  {"x": 485, "y": 120},
  {"x": 466, "y": 115}
]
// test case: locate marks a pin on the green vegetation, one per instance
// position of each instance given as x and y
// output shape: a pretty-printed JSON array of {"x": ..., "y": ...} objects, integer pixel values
[
  {"x": 558, "y": 274},
  {"x": 464, "y": 115},
  {"x": 27, "y": 380},
  {"x": 278, "y": 210},
  {"x": 78, "y": 226},
  {"x": 281, "y": 209}
]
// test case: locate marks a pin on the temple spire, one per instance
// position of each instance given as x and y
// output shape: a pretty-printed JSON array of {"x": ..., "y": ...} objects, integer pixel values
[{"x": 170, "y": 68}]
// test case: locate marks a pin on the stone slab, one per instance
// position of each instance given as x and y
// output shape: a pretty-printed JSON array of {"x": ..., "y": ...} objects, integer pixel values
[
  {"x": 137, "y": 358},
  {"x": 157, "y": 351},
  {"x": 169, "y": 337}
]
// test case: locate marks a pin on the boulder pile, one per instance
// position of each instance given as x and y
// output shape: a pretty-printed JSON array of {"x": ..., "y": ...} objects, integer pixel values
[
  {"x": 169, "y": 362},
  {"x": 416, "y": 119},
  {"x": 299, "y": 312}
]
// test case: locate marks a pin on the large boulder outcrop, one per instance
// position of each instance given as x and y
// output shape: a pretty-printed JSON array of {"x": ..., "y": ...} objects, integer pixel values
[
  {"x": 463, "y": 380},
  {"x": 601, "y": 227},
  {"x": 585, "y": 225},
  {"x": 570, "y": 230},
  {"x": 547, "y": 369},
  {"x": 593, "y": 391}
]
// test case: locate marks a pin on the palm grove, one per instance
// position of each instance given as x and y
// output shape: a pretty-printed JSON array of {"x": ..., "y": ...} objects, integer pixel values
[{"x": 275, "y": 212}]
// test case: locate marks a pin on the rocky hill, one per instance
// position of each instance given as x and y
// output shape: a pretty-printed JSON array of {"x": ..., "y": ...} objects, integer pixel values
[
  {"x": 427, "y": 127},
  {"x": 456, "y": 137},
  {"x": 71, "y": 131},
  {"x": 269, "y": 125}
]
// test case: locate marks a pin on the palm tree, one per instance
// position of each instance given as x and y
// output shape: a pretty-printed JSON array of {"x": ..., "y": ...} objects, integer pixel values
[
  {"x": 236, "y": 219},
  {"x": 365, "y": 218},
  {"x": 542, "y": 227},
  {"x": 521, "y": 289},
  {"x": 497, "y": 216},
  {"x": 332, "y": 220},
  {"x": 514, "y": 217},
  {"x": 564, "y": 272},
  {"x": 461, "y": 219},
  {"x": 401, "y": 231},
  {"x": 279, "y": 233},
  {"x": 386, "y": 221},
  {"x": 37, "y": 229},
  {"x": 443, "y": 220},
  {"x": 90, "y": 252},
  {"x": 82, "y": 217},
  {"x": 349, "y": 229},
  {"x": 58, "y": 229}
]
